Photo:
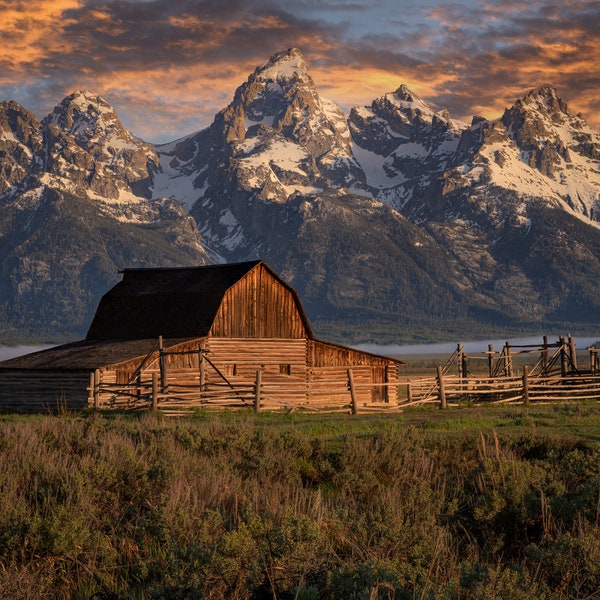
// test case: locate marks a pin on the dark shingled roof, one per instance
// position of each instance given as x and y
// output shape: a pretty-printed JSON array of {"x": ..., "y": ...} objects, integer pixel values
[
  {"x": 86, "y": 355},
  {"x": 172, "y": 302}
]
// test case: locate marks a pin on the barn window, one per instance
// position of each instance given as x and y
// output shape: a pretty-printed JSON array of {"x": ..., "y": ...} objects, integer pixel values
[
  {"x": 285, "y": 369},
  {"x": 230, "y": 369}
]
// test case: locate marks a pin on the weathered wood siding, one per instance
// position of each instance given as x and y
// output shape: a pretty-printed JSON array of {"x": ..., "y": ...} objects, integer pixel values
[
  {"x": 259, "y": 306},
  {"x": 40, "y": 391},
  {"x": 324, "y": 354},
  {"x": 239, "y": 359},
  {"x": 229, "y": 364}
]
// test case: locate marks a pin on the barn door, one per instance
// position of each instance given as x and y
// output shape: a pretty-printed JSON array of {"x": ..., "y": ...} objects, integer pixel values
[{"x": 379, "y": 392}]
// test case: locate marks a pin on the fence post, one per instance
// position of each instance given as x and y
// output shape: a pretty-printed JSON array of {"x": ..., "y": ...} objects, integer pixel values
[
  {"x": 526, "y": 384},
  {"x": 545, "y": 356},
  {"x": 593, "y": 361},
  {"x": 508, "y": 370},
  {"x": 91, "y": 390},
  {"x": 162, "y": 365},
  {"x": 408, "y": 392},
  {"x": 352, "y": 392},
  {"x": 257, "y": 385},
  {"x": 97, "y": 388},
  {"x": 563, "y": 357},
  {"x": 491, "y": 359},
  {"x": 155, "y": 391},
  {"x": 442, "y": 392},
  {"x": 572, "y": 353},
  {"x": 201, "y": 368}
]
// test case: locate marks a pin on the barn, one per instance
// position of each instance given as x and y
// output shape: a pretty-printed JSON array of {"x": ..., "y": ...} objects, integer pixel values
[{"x": 219, "y": 335}]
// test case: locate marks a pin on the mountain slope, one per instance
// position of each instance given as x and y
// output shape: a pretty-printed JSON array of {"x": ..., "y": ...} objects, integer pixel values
[
  {"x": 70, "y": 217},
  {"x": 513, "y": 202}
]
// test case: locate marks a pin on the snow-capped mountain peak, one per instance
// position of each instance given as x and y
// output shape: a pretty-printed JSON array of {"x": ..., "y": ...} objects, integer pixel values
[
  {"x": 95, "y": 127},
  {"x": 278, "y": 136},
  {"x": 412, "y": 106},
  {"x": 86, "y": 117},
  {"x": 283, "y": 66},
  {"x": 282, "y": 95}
]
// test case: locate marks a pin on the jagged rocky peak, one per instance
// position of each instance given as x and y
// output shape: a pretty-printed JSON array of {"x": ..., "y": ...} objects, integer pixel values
[
  {"x": 402, "y": 117},
  {"x": 410, "y": 103},
  {"x": 415, "y": 109},
  {"x": 545, "y": 100},
  {"x": 84, "y": 116},
  {"x": 534, "y": 117},
  {"x": 281, "y": 95},
  {"x": 95, "y": 127},
  {"x": 542, "y": 126},
  {"x": 403, "y": 93},
  {"x": 20, "y": 140},
  {"x": 278, "y": 85},
  {"x": 17, "y": 123}
]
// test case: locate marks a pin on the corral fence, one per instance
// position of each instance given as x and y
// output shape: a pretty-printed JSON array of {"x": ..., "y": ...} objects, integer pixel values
[
  {"x": 554, "y": 377},
  {"x": 339, "y": 394}
]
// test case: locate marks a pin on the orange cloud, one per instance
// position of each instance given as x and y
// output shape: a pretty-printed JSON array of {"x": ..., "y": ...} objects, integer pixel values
[
  {"x": 30, "y": 30},
  {"x": 169, "y": 65}
]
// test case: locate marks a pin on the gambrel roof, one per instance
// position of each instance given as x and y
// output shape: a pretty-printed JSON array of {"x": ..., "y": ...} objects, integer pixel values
[{"x": 171, "y": 302}]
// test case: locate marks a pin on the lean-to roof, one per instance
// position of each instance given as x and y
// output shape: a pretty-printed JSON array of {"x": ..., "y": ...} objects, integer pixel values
[{"x": 86, "y": 355}]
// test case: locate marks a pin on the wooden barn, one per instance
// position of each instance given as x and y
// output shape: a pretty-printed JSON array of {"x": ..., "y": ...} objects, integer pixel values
[{"x": 214, "y": 335}]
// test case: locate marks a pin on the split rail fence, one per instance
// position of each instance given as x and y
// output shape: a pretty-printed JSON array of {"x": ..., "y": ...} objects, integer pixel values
[{"x": 556, "y": 377}]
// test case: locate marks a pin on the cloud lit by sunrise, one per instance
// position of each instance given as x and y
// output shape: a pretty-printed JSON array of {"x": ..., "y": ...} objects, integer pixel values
[{"x": 169, "y": 65}]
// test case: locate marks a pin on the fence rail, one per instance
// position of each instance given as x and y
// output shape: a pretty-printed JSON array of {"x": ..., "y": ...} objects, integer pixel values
[{"x": 344, "y": 395}]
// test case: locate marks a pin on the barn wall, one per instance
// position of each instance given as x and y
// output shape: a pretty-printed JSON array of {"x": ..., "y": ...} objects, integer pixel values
[
  {"x": 239, "y": 359},
  {"x": 259, "y": 306},
  {"x": 323, "y": 354},
  {"x": 330, "y": 361},
  {"x": 229, "y": 362},
  {"x": 286, "y": 373},
  {"x": 36, "y": 391}
]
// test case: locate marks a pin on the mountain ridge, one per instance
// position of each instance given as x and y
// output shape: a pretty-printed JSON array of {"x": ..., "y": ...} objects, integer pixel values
[{"x": 391, "y": 221}]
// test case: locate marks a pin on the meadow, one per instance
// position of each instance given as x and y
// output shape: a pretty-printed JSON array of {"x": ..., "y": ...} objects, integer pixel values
[{"x": 483, "y": 503}]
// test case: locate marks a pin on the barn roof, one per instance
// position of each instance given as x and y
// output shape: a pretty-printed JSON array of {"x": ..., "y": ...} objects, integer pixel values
[
  {"x": 169, "y": 302},
  {"x": 86, "y": 355}
]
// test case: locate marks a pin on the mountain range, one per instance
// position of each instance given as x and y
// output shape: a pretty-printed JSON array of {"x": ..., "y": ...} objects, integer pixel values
[{"x": 394, "y": 222}]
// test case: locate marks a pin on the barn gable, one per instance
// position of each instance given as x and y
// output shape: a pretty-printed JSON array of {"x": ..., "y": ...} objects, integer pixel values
[
  {"x": 260, "y": 305},
  {"x": 233, "y": 300}
]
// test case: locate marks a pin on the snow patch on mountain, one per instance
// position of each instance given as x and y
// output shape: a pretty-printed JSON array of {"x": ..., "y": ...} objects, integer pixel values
[
  {"x": 174, "y": 181},
  {"x": 378, "y": 169},
  {"x": 280, "y": 153},
  {"x": 283, "y": 66}
]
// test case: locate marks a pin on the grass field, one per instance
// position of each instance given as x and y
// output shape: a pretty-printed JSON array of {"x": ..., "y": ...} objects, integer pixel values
[{"x": 494, "y": 502}]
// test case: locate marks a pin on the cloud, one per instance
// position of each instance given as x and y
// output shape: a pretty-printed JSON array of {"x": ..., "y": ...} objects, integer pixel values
[{"x": 169, "y": 65}]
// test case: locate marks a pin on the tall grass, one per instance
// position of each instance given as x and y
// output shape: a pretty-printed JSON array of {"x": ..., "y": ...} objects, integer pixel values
[{"x": 249, "y": 507}]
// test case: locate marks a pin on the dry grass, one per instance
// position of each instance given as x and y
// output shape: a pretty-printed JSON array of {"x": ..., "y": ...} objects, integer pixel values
[{"x": 457, "y": 504}]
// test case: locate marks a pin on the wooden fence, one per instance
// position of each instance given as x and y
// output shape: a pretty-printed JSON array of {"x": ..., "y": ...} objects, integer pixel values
[{"x": 341, "y": 395}]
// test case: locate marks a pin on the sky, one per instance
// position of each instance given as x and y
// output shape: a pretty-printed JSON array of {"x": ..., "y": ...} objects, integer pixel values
[{"x": 168, "y": 66}]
